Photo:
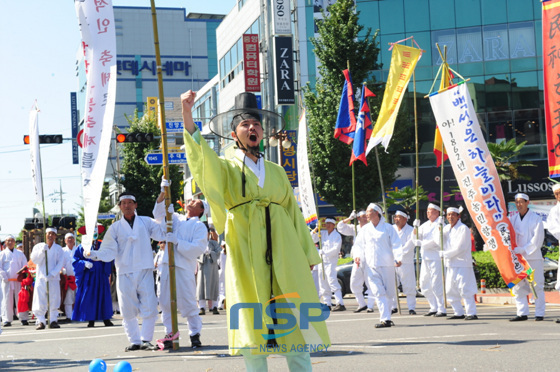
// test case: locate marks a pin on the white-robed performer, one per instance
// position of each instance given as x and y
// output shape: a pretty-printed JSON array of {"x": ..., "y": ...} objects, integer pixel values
[
  {"x": 189, "y": 238},
  {"x": 374, "y": 246},
  {"x": 431, "y": 272},
  {"x": 331, "y": 242},
  {"x": 529, "y": 236},
  {"x": 128, "y": 243},
  {"x": 405, "y": 273},
  {"x": 68, "y": 270},
  {"x": 358, "y": 276},
  {"x": 11, "y": 261},
  {"x": 460, "y": 281},
  {"x": 553, "y": 222},
  {"x": 56, "y": 259}
]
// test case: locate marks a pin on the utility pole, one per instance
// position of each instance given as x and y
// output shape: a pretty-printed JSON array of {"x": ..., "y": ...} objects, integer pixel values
[{"x": 54, "y": 197}]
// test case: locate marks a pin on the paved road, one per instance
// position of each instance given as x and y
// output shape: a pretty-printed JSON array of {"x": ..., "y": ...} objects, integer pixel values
[{"x": 417, "y": 343}]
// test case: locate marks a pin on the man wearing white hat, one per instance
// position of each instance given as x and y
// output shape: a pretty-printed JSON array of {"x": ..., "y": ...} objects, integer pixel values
[
  {"x": 431, "y": 272},
  {"x": 128, "y": 243},
  {"x": 358, "y": 276},
  {"x": 50, "y": 253},
  {"x": 460, "y": 280},
  {"x": 331, "y": 242},
  {"x": 70, "y": 276},
  {"x": 529, "y": 237},
  {"x": 374, "y": 249},
  {"x": 405, "y": 254},
  {"x": 190, "y": 239},
  {"x": 11, "y": 261}
]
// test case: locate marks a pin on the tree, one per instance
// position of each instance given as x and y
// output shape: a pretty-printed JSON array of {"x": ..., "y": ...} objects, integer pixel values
[
  {"x": 503, "y": 153},
  {"x": 141, "y": 179},
  {"x": 406, "y": 197},
  {"x": 342, "y": 43}
]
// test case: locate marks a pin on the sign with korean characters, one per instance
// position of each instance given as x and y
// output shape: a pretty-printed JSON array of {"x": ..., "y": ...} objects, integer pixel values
[
  {"x": 251, "y": 64},
  {"x": 478, "y": 179},
  {"x": 289, "y": 159}
]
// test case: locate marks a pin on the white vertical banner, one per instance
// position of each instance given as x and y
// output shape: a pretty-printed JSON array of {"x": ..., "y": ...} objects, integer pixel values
[
  {"x": 97, "y": 27},
  {"x": 35, "y": 153},
  {"x": 304, "y": 177}
]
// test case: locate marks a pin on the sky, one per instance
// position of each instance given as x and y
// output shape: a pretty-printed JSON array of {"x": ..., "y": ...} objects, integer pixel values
[{"x": 39, "y": 41}]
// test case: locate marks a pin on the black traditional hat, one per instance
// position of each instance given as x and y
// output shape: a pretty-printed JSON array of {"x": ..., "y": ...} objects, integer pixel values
[{"x": 246, "y": 108}]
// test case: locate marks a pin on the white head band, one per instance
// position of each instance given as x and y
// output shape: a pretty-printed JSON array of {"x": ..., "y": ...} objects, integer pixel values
[
  {"x": 51, "y": 229},
  {"x": 555, "y": 187},
  {"x": 453, "y": 209},
  {"x": 376, "y": 208},
  {"x": 69, "y": 235},
  {"x": 401, "y": 213},
  {"x": 131, "y": 197},
  {"x": 361, "y": 213},
  {"x": 330, "y": 220},
  {"x": 522, "y": 196},
  {"x": 433, "y": 206},
  {"x": 10, "y": 237}
]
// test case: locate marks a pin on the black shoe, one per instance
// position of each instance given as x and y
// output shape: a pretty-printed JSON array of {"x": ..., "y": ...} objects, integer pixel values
[
  {"x": 539, "y": 318},
  {"x": 411, "y": 312},
  {"x": 108, "y": 323},
  {"x": 385, "y": 324},
  {"x": 24, "y": 323},
  {"x": 431, "y": 313},
  {"x": 7, "y": 324},
  {"x": 40, "y": 326},
  {"x": 440, "y": 315},
  {"x": 360, "y": 309},
  {"x": 15, "y": 317},
  {"x": 53, "y": 325},
  {"x": 518, "y": 318},
  {"x": 456, "y": 317},
  {"x": 195, "y": 341},
  {"x": 394, "y": 311},
  {"x": 220, "y": 308},
  {"x": 471, "y": 317},
  {"x": 202, "y": 311},
  {"x": 64, "y": 321},
  {"x": 339, "y": 308},
  {"x": 369, "y": 310},
  {"x": 147, "y": 345},
  {"x": 132, "y": 347},
  {"x": 167, "y": 345},
  {"x": 215, "y": 311},
  {"x": 91, "y": 324},
  {"x": 557, "y": 320}
]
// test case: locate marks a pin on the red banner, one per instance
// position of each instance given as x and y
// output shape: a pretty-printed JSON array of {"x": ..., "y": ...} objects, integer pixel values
[
  {"x": 551, "y": 69},
  {"x": 251, "y": 64}
]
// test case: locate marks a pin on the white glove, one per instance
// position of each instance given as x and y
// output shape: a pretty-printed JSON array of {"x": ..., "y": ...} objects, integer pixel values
[
  {"x": 170, "y": 209},
  {"x": 63, "y": 271},
  {"x": 93, "y": 256},
  {"x": 88, "y": 265},
  {"x": 519, "y": 250},
  {"x": 417, "y": 242},
  {"x": 352, "y": 215},
  {"x": 45, "y": 248},
  {"x": 416, "y": 223},
  {"x": 171, "y": 238},
  {"x": 441, "y": 254},
  {"x": 164, "y": 183}
]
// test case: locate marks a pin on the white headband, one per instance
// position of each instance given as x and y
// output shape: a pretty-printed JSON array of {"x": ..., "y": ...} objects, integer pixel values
[
  {"x": 522, "y": 196},
  {"x": 401, "y": 213},
  {"x": 453, "y": 209},
  {"x": 69, "y": 235},
  {"x": 433, "y": 206},
  {"x": 555, "y": 187},
  {"x": 51, "y": 229},
  {"x": 331, "y": 220},
  {"x": 10, "y": 236},
  {"x": 376, "y": 208},
  {"x": 131, "y": 197},
  {"x": 361, "y": 213},
  {"x": 206, "y": 208}
]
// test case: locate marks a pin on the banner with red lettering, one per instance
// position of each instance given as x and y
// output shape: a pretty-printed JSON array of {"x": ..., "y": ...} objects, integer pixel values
[
  {"x": 97, "y": 26},
  {"x": 478, "y": 179},
  {"x": 551, "y": 71},
  {"x": 251, "y": 65}
]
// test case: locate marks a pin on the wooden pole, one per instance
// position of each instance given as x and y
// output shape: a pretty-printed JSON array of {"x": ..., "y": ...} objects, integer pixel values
[
  {"x": 416, "y": 180},
  {"x": 169, "y": 216}
]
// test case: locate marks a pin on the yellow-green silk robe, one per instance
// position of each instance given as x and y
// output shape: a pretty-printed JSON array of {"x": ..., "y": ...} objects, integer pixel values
[{"x": 247, "y": 273}]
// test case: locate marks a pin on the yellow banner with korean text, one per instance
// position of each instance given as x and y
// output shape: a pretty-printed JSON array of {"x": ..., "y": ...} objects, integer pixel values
[
  {"x": 478, "y": 179},
  {"x": 403, "y": 63}
]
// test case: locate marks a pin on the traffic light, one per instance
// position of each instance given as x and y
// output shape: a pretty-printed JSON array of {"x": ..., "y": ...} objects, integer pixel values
[
  {"x": 135, "y": 137},
  {"x": 45, "y": 138}
]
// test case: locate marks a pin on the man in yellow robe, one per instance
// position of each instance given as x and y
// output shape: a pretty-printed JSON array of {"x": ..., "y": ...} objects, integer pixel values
[{"x": 270, "y": 251}]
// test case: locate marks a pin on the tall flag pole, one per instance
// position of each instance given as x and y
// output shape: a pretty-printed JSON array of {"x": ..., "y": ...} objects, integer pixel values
[
  {"x": 169, "y": 216},
  {"x": 551, "y": 73},
  {"x": 403, "y": 62},
  {"x": 37, "y": 174},
  {"x": 97, "y": 26},
  {"x": 306, "y": 194}
]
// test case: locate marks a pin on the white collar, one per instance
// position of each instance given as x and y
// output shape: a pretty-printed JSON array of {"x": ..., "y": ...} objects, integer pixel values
[{"x": 257, "y": 168}]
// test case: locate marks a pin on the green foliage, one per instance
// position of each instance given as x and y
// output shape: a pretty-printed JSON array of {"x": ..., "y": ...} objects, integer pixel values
[
  {"x": 104, "y": 207},
  {"x": 503, "y": 153},
  {"x": 141, "y": 179},
  {"x": 487, "y": 269},
  {"x": 343, "y": 43},
  {"x": 406, "y": 197}
]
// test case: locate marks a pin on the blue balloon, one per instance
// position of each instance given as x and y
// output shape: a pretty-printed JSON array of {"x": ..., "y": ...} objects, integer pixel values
[
  {"x": 98, "y": 365},
  {"x": 123, "y": 366}
]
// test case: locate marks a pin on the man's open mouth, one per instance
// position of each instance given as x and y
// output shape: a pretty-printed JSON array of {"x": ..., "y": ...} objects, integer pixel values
[{"x": 252, "y": 137}]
